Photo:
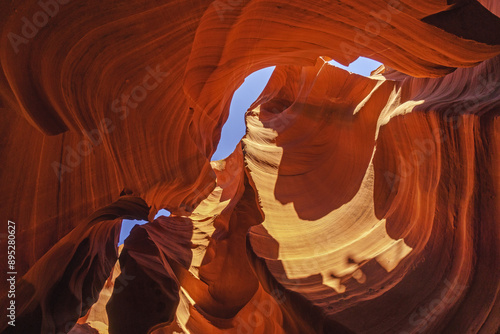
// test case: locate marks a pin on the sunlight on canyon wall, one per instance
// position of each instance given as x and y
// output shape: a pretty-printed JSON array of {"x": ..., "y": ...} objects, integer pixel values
[{"x": 352, "y": 204}]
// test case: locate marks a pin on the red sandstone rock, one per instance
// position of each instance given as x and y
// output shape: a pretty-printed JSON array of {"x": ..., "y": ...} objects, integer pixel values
[{"x": 353, "y": 204}]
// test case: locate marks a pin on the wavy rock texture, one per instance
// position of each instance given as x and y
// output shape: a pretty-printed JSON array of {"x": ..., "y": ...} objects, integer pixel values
[{"x": 352, "y": 205}]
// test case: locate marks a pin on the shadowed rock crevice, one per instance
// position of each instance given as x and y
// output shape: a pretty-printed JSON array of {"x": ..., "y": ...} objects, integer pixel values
[{"x": 352, "y": 204}]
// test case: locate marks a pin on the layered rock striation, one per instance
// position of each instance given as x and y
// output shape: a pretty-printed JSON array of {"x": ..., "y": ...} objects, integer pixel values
[{"x": 352, "y": 205}]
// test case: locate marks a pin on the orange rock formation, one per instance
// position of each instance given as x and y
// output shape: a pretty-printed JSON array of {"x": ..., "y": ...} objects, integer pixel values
[{"x": 352, "y": 205}]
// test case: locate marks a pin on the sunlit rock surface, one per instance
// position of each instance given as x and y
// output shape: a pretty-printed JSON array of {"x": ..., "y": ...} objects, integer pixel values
[{"x": 352, "y": 205}]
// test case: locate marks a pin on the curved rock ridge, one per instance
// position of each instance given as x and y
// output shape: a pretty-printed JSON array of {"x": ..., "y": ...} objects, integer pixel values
[
  {"x": 352, "y": 204},
  {"x": 386, "y": 195},
  {"x": 64, "y": 284}
]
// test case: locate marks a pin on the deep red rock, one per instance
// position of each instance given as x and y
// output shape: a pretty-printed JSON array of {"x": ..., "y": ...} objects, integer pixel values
[{"x": 353, "y": 204}]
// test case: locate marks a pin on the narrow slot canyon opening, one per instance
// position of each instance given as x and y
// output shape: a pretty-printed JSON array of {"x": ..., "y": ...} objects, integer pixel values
[
  {"x": 362, "y": 66},
  {"x": 128, "y": 225},
  {"x": 234, "y": 128}
]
